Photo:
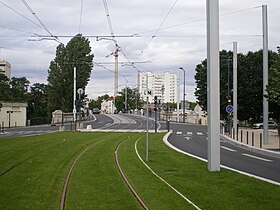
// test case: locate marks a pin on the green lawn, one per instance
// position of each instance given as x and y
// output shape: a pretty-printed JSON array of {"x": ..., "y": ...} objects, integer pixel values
[{"x": 33, "y": 170}]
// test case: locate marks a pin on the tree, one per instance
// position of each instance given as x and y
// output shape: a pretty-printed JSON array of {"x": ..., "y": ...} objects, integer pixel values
[
  {"x": 132, "y": 97},
  {"x": 77, "y": 53},
  {"x": 37, "y": 109},
  {"x": 250, "y": 84},
  {"x": 18, "y": 89},
  {"x": 273, "y": 88},
  {"x": 4, "y": 88},
  {"x": 97, "y": 103}
]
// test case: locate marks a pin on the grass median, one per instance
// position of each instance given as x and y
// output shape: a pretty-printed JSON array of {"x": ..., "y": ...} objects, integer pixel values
[
  {"x": 208, "y": 190},
  {"x": 33, "y": 170}
]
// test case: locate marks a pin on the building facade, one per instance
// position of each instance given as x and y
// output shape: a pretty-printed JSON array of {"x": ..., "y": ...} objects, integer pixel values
[
  {"x": 13, "y": 114},
  {"x": 108, "y": 106},
  {"x": 5, "y": 68},
  {"x": 162, "y": 85}
]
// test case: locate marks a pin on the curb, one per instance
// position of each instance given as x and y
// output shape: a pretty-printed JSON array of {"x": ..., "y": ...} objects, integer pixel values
[{"x": 250, "y": 148}]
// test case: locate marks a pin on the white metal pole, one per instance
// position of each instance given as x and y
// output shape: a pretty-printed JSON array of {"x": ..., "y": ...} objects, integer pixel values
[
  {"x": 147, "y": 128},
  {"x": 235, "y": 87},
  {"x": 74, "y": 98},
  {"x": 178, "y": 96},
  {"x": 213, "y": 86},
  {"x": 265, "y": 74}
]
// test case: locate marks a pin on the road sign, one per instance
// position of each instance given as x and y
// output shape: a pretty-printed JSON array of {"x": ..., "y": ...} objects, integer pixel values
[
  {"x": 229, "y": 109},
  {"x": 80, "y": 91},
  {"x": 148, "y": 92}
]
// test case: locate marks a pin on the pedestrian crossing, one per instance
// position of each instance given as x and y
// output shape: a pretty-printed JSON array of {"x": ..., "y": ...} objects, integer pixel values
[{"x": 189, "y": 135}]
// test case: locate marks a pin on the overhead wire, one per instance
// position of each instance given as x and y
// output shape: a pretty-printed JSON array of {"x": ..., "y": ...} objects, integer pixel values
[
  {"x": 109, "y": 20},
  {"x": 159, "y": 28},
  {"x": 41, "y": 23},
  {"x": 14, "y": 29},
  {"x": 23, "y": 16},
  {"x": 194, "y": 21}
]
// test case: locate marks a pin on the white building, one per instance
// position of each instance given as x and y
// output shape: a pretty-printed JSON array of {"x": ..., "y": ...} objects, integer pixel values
[
  {"x": 5, "y": 68},
  {"x": 13, "y": 114},
  {"x": 163, "y": 85},
  {"x": 108, "y": 106}
]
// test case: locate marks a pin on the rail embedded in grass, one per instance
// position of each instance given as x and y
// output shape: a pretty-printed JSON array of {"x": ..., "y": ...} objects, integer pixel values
[{"x": 138, "y": 198}]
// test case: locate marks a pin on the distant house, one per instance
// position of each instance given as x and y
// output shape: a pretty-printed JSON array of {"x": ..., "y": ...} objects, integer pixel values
[
  {"x": 108, "y": 106},
  {"x": 202, "y": 115},
  {"x": 13, "y": 114}
]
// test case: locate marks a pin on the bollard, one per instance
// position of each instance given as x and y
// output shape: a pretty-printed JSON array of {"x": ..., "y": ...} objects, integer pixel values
[
  {"x": 253, "y": 136},
  {"x": 168, "y": 125},
  {"x": 241, "y": 136},
  {"x": 233, "y": 132},
  {"x": 247, "y": 137},
  {"x": 237, "y": 134},
  {"x": 260, "y": 140},
  {"x": 2, "y": 126}
]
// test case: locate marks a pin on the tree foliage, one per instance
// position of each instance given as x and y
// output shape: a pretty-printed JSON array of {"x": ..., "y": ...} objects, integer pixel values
[
  {"x": 4, "y": 88},
  {"x": 249, "y": 88},
  {"x": 97, "y": 103},
  {"x": 37, "y": 109},
  {"x": 77, "y": 53},
  {"x": 133, "y": 97}
]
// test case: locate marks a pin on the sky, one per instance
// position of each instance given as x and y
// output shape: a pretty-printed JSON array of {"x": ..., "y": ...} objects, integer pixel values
[{"x": 159, "y": 36}]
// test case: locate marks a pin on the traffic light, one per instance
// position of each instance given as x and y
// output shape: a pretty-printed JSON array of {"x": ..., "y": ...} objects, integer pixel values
[
  {"x": 229, "y": 100},
  {"x": 155, "y": 100}
]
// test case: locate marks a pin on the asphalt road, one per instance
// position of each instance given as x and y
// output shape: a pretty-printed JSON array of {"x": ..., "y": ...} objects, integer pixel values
[
  {"x": 186, "y": 137},
  {"x": 193, "y": 139}
]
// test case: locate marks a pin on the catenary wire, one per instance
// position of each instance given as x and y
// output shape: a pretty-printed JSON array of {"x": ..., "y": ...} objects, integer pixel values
[
  {"x": 26, "y": 18},
  {"x": 38, "y": 19},
  {"x": 159, "y": 28}
]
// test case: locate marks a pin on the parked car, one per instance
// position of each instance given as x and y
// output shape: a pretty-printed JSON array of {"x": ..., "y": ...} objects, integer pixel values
[
  {"x": 271, "y": 125},
  {"x": 95, "y": 111}
]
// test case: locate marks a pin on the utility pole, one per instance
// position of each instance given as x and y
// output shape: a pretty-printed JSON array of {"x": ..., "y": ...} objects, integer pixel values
[
  {"x": 213, "y": 86},
  {"x": 184, "y": 96},
  {"x": 116, "y": 74},
  {"x": 265, "y": 74},
  {"x": 147, "y": 120},
  {"x": 74, "y": 98},
  {"x": 178, "y": 97},
  {"x": 235, "y": 88}
]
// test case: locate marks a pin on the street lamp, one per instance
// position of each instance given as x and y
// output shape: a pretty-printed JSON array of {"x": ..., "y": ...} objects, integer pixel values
[{"x": 184, "y": 101}]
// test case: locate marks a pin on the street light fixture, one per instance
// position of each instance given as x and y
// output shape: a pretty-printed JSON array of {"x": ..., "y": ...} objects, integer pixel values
[{"x": 184, "y": 101}]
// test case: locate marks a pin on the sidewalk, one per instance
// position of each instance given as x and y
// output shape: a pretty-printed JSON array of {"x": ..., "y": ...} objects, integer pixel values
[{"x": 254, "y": 137}]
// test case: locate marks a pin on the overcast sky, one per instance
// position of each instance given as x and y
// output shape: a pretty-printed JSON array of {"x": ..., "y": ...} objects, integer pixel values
[{"x": 179, "y": 42}]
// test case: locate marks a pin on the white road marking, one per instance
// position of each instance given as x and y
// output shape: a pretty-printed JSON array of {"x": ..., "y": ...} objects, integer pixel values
[
  {"x": 199, "y": 133},
  {"x": 258, "y": 158},
  {"x": 229, "y": 149},
  {"x": 179, "y": 133},
  {"x": 188, "y": 138},
  {"x": 189, "y": 133},
  {"x": 223, "y": 166}
]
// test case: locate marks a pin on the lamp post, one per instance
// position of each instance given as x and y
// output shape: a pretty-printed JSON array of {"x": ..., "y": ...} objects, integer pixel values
[
  {"x": 184, "y": 101},
  {"x": 10, "y": 112}
]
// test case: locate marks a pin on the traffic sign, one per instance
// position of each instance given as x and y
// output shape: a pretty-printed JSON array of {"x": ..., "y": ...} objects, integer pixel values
[
  {"x": 80, "y": 91},
  {"x": 229, "y": 109}
]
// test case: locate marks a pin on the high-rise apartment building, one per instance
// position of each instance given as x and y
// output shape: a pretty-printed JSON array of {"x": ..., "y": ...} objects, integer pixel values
[
  {"x": 5, "y": 68},
  {"x": 163, "y": 85}
]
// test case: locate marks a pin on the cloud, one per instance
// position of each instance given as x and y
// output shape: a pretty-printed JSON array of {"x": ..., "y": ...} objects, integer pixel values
[{"x": 181, "y": 41}]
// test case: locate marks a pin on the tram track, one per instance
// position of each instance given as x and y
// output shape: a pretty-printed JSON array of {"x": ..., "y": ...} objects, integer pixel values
[{"x": 129, "y": 185}]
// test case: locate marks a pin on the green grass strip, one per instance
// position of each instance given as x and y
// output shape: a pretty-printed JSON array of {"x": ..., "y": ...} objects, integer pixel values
[
  {"x": 96, "y": 183},
  {"x": 209, "y": 190}
]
